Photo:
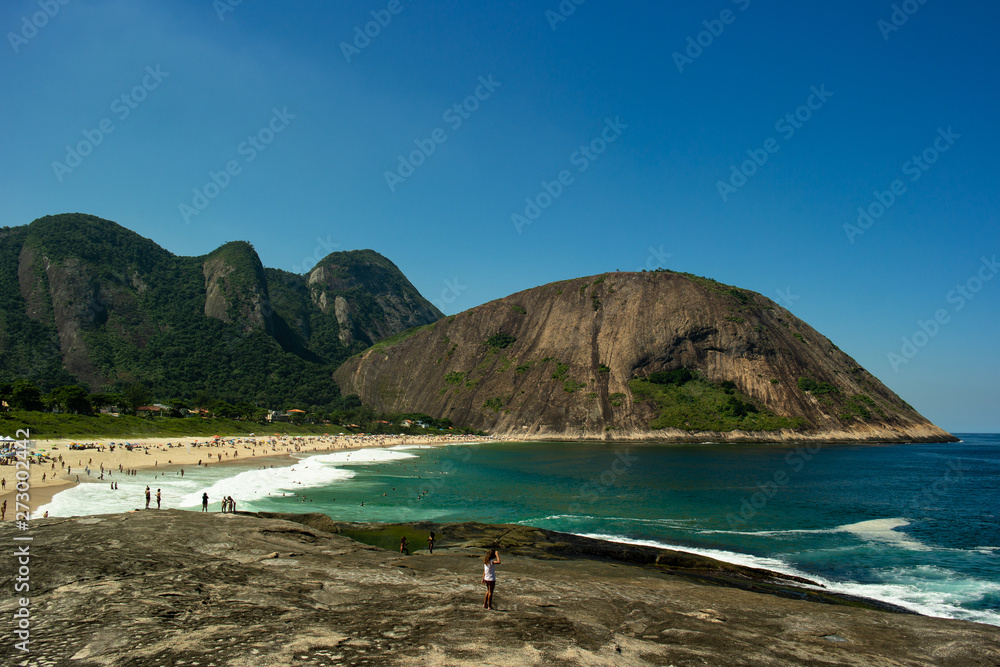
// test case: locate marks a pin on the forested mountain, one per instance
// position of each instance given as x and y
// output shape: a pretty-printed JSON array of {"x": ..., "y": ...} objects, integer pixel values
[{"x": 86, "y": 301}]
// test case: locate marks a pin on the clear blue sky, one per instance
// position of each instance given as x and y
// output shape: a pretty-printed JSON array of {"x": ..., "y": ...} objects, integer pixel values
[{"x": 201, "y": 79}]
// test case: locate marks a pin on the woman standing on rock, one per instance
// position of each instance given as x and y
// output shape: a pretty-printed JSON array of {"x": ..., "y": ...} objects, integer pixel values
[{"x": 490, "y": 576}]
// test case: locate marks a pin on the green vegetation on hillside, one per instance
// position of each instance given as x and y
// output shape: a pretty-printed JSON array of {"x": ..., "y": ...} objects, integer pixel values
[
  {"x": 686, "y": 401},
  {"x": 455, "y": 377},
  {"x": 141, "y": 315},
  {"x": 817, "y": 388},
  {"x": 29, "y": 347},
  {"x": 70, "y": 412},
  {"x": 859, "y": 406},
  {"x": 400, "y": 337},
  {"x": 51, "y": 425},
  {"x": 500, "y": 341}
]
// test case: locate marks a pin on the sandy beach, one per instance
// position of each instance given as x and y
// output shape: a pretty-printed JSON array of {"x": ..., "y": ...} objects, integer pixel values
[{"x": 108, "y": 460}]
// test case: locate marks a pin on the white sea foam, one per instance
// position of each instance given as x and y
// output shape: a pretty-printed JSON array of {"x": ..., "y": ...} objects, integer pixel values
[
  {"x": 315, "y": 471},
  {"x": 884, "y": 530},
  {"x": 672, "y": 523},
  {"x": 928, "y": 589},
  {"x": 873, "y": 530},
  {"x": 403, "y": 448},
  {"x": 774, "y": 533},
  {"x": 98, "y": 497},
  {"x": 358, "y": 456},
  {"x": 256, "y": 484},
  {"x": 727, "y": 556}
]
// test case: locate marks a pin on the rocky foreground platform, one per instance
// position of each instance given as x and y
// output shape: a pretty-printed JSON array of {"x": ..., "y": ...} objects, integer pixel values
[{"x": 184, "y": 588}]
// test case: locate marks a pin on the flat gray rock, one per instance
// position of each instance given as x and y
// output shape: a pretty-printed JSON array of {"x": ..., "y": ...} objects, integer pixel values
[{"x": 164, "y": 588}]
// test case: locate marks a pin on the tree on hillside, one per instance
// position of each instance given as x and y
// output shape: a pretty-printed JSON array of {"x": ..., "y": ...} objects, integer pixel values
[
  {"x": 70, "y": 398},
  {"x": 202, "y": 399},
  {"x": 177, "y": 407},
  {"x": 134, "y": 396},
  {"x": 105, "y": 400},
  {"x": 224, "y": 410},
  {"x": 248, "y": 412},
  {"x": 25, "y": 395}
]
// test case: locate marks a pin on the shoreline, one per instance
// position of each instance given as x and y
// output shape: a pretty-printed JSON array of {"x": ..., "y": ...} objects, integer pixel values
[
  {"x": 292, "y": 448},
  {"x": 535, "y": 542},
  {"x": 172, "y": 453}
]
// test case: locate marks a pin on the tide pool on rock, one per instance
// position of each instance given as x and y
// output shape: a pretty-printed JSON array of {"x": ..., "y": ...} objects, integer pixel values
[{"x": 911, "y": 524}]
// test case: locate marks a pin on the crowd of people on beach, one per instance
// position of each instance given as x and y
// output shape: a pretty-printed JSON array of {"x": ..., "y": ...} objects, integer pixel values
[{"x": 108, "y": 462}]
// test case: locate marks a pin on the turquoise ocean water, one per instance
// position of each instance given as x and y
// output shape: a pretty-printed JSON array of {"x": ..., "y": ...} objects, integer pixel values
[{"x": 913, "y": 524}]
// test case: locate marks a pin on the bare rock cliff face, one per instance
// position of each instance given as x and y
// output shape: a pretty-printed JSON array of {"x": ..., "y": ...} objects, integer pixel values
[
  {"x": 64, "y": 293},
  {"x": 216, "y": 271},
  {"x": 369, "y": 295},
  {"x": 566, "y": 354},
  {"x": 236, "y": 289}
]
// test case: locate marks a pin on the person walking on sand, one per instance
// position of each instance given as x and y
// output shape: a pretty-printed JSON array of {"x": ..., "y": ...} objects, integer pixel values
[
  {"x": 430, "y": 542},
  {"x": 402, "y": 546},
  {"x": 490, "y": 576},
  {"x": 3, "y": 511},
  {"x": 204, "y": 502},
  {"x": 147, "y": 497},
  {"x": 157, "y": 499}
]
